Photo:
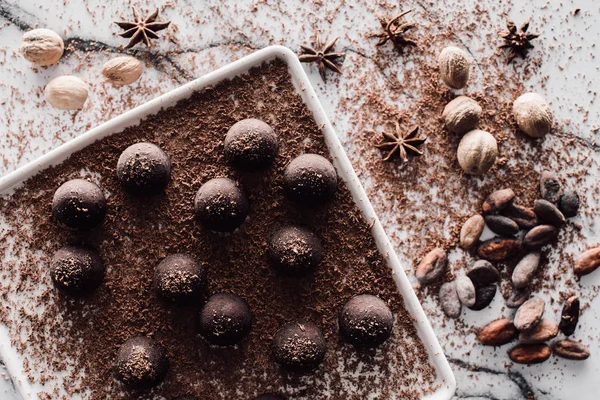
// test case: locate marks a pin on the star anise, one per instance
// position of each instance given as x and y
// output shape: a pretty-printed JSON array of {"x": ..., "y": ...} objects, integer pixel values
[
  {"x": 394, "y": 31},
  {"x": 141, "y": 30},
  {"x": 518, "y": 41},
  {"x": 324, "y": 56},
  {"x": 398, "y": 143}
]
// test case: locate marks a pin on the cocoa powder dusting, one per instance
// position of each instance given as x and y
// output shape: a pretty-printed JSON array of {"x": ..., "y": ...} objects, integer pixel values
[{"x": 71, "y": 343}]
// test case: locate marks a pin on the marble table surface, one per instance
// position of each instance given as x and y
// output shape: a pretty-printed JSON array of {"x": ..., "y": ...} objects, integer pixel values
[{"x": 207, "y": 34}]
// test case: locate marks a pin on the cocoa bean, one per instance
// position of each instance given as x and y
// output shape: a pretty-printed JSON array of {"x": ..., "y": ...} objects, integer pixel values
[
  {"x": 499, "y": 249},
  {"x": 483, "y": 273},
  {"x": 502, "y": 225},
  {"x": 449, "y": 300},
  {"x": 526, "y": 224},
  {"x": 570, "y": 350},
  {"x": 466, "y": 291},
  {"x": 483, "y": 297},
  {"x": 549, "y": 213},
  {"x": 550, "y": 187},
  {"x": 569, "y": 203},
  {"x": 542, "y": 332},
  {"x": 525, "y": 269},
  {"x": 432, "y": 266},
  {"x": 530, "y": 353},
  {"x": 498, "y": 332},
  {"x": 517, "y": 211},
  {"x": 540, "y": 235},
  {"x": 517, "y": 298},
  {"x": 498, "y": 200},
  {"x": 570, "y": 316},
  {"x": 471, "y": 231},
  {"x": 587, "y": 262},
  {"x": 529, "y": 314}
]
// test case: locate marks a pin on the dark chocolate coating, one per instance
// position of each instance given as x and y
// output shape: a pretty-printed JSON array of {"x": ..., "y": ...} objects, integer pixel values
[
  {"x": 295, "y": 251},
  {"x": 221, "y": 205},
  {"x": 77, "y": 269},
  {"x": 225, "y": 319},
  {"x": 250, "y": 144},
  {"x": 79, "y": 204},
  {"x": 180, "y": 279},
  {"x": 269, "y": 396},
  {"x": 141, "y": 363},
  {"x": 299, "y": 346},
  {"x": 366, "y": 321},
  {"x": 144, "y": 169},
  {"x": 310, "y": 179}
]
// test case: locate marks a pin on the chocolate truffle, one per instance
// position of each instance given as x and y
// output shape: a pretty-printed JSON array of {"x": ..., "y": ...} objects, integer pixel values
[
  {"x": 269, "y": 396},
  {"x": 79, "y": 204},
  {"x": 180, "y": 279},
  {"x": 225, "y": 319},
  {"x": 250, "y": 144},
  {"x": 295, "y": 251},
  {"x": 221, "y": 205},
  {"x": 299, "y": 346},
  {"x": 141, "y": 363},
  {"x": 144, "y": 169},
  {"x": 366, "y": 321},
  {"x": 310, "y": 180},
  {"x": 77, "y": 269}
]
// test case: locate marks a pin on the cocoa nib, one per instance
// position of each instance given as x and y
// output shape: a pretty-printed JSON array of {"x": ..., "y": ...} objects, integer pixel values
[
  {"x": 570, "y": 316},
  {"x": 432, "y": 266},
  {"x": 570, "y": 350},
  {"x": 498, "y": 200},
  {"x": 483, "y": 297},
  {"x": 530, "y": 353},
  {"x": 540, "y": 235},
  {"x": 498, "y": 332},
  {"x": 483, "y": 273},
  {"x": 502, "y": 225},
  {"x": 549, "y": 213},
  {"x": 499, "y": 249},
  {"x": 550, "y": 187},
  {"x": 587, "y": 262}
]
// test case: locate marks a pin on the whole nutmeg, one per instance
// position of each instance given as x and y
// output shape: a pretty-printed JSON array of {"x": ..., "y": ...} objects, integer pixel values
[
  {"x": 462, "y": 114},
  {"x": 122, "y": 70},
  {"x": 454, "y": 67},
  {"x": 66, "y": 92},
  {"x": 477, "y": 152},
  {"x": 533, "y": 114},
  {"x": 42, "y": 46}
]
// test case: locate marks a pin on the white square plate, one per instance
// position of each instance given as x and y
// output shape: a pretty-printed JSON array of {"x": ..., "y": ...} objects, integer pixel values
[{"x": 445, "y": 383}]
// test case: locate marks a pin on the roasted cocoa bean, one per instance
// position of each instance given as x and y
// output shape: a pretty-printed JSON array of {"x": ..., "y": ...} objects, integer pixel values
[
  {"x": 549, "y": 213},
  {"x": 498, "y": 200},
  {"x": 517, "y": 298},
  {"x": 540, "y": 235},
  {"x": 542, "y": 332},
  {"x": 502, "y": 225},
  {"x": 570, "y": 316},
  {"x": 499, "y": 249},
  {"x": 569, "y": 204},
  {"x": 529, "y": 314},
  {"x": 550, "y": 187},
  {"x": 530, "y": 353},
  {"x": 587, "y": 262},
  {"x": 432, "y": 266},
  {"x": 471, "y": 231},
  {"x": 483, "y": 297},
  {"x": 449, "y": 300},
  {"x": 483, "y": 273},
  {"x": 466, "y": 291},
  {"x": 498, "y": 332},
  {"x": 525, "y": 269},
  {"x": 570, "y": 350}
]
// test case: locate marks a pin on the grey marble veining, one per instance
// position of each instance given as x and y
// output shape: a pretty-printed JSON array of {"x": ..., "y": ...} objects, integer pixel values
[{"x": 210, "y": 34}]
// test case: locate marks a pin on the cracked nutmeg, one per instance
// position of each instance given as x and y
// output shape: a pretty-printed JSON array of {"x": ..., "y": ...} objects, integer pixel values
[
  {"x": 323, "y": 55},
  {"x": 141, "y": 30},
  {"x": 517, "y": 41},
  {"x": 394, "y": 31},
  {"x": 402, "y": 144}
]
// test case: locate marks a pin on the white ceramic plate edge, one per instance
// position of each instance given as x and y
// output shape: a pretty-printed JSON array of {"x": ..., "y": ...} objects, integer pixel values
[{"x": 445, "y": 380}]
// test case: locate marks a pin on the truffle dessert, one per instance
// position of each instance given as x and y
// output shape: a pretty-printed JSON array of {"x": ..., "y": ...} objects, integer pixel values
[
  {"x": 221, "y": 205},
  {"x": 180, "y": 279},
  {"x": 144, "y": 169},
  {"x": 299, "y": 346},
  {"x": 295, "y": 251},
  {"x": 77, "y": 269},
  {"x": 250, "y": 144},
  {"x": 366, "y": 321},
  {"x": 141, "y": 363},
  {"x": 310, "y": 179},
  {"x": 225, "y": 319},
  {"x": 269, "y": 396},
  {"x": 79, "y": 204}
]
